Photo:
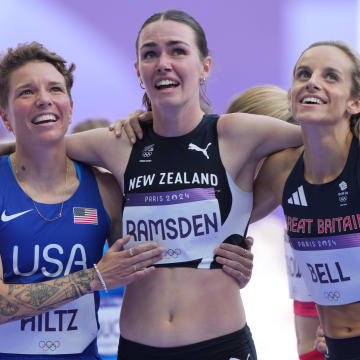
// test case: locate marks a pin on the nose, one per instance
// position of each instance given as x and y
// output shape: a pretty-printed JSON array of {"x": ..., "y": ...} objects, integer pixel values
[
  {"x": 313, "y": 83},
  {"x": 43, "y": 100},
  {"x": 164, "y": 64}
]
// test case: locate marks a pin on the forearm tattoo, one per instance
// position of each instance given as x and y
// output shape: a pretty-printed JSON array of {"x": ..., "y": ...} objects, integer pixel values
[
  {"x": 7, "y": 308},
  {"x": 30, "y": 299}
]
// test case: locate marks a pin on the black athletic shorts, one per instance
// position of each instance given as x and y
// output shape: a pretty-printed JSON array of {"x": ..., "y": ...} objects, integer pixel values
[
  {"x": 238, "y": 345},
  {"x": 343, "y": 349}
]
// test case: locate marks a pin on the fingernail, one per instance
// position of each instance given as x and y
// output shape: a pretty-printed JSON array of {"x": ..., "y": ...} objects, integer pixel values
[
  {"x": 141, "y": 116},
  {"x": 132, "y": 140},
  {"x": 139, "y": 135}
]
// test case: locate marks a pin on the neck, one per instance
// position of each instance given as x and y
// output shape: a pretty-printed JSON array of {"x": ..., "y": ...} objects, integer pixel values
[
  {"x": 40, "y": 167},
  {"x": 176, "y": 121},
  {"x": 326, "y": 150}
]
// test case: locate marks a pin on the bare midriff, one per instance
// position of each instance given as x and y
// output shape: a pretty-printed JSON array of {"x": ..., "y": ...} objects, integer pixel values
[
  {"x": 341, "y": 321},
  {"x": 181, "y": 306}
]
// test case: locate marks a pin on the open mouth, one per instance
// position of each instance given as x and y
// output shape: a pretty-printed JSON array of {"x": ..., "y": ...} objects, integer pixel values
[
  {"x": 44, "y": 119},
  {"x": 166, "y": 84},
  {"x": 312, "y": 100}
]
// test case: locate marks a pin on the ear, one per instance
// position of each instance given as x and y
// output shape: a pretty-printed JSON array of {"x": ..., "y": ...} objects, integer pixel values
[
  {"x": 289, "y": 99},
  {"x": 353, "y": 106},
  {"x": 207, "y": 62},
  {"x": 71, "y": 112},
  {"x": 5, "y": 120},
  {"x": 136, "y": 66}
]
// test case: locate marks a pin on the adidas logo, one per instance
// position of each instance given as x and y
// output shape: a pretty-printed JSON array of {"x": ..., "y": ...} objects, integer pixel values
[{"x": 298, "y": 197}]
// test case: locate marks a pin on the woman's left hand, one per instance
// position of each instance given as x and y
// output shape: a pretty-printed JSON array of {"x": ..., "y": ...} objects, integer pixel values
[
  {"x": 131, "y": 125},
  {"x": 237, "y": 261}
]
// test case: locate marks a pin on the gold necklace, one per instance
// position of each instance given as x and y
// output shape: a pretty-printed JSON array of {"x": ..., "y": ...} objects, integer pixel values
[{"x": 58, "y": 216}]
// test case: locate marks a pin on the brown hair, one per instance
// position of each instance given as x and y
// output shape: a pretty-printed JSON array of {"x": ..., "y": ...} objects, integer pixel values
[
  {"x": 355, "y": 75},
  {"x": 266, "y": 100},
  {"x": 201, "y": 42},
  {"x": 25, "y": 53}
]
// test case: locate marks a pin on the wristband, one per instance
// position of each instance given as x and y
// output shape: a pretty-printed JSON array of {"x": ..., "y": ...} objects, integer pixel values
[{"x": 101, "y": 278}]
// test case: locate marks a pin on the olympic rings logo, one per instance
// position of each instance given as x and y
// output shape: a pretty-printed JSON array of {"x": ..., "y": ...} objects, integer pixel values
[
  {"x": 49, "y": 345},
  {"x": 148, "y": 150},
  {"x": 172, "y": 253},
  {"x": 332, "y": 295}
]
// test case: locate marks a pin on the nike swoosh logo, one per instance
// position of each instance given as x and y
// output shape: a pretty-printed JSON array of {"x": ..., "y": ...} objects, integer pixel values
[{"x": 6, "y": 218}]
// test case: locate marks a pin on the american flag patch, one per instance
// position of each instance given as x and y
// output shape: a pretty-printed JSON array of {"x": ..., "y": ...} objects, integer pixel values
[{"x": 85, "y": 216}]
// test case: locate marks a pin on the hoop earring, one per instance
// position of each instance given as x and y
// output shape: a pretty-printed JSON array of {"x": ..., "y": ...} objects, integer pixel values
[{"x": 142, "y": 85}]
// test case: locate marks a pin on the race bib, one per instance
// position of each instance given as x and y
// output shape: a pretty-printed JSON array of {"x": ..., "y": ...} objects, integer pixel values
[
  {"x": 186, "y": 223},
  {"x": 330, "y": 267},
  {"x": 297, "y": 287},
  {"x": 109, "y": 334},
  {"x": 68, "y": 329}
]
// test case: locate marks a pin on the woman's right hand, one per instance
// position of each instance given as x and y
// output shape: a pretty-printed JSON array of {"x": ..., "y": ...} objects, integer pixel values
[
  {"x": 131, "y": 125},
  {"x": 119, "y": 267}
]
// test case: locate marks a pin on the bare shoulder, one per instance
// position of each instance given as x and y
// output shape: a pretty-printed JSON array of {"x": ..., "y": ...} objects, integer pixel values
[
  {"x": 276, "y": 169},
  {"x": 109, "y": 143},
  {"x": 228, "y": 123},
  {"x": 106, "y": 181},
  {"x": 269, "y": 184},
  {"x": 242, "y": 121},
  {"x": 239, "y": 130},
  {"x": 112, "y": 198},
  {"x": 283, "y": 161},
  {"x": 100, "y": 147}
]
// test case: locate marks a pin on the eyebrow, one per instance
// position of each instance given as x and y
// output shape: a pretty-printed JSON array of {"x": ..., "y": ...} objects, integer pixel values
[
  {"x": 301, "y": 68},
  {"x": 304, "y": 67},
  {"x": 333, "y": 70},
  {"x": 27, "y": 85},
  {"x": 169, "y": 44}
]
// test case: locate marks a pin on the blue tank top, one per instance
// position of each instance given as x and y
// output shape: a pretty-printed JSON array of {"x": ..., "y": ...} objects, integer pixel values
[{"x": 34, "y": 250}]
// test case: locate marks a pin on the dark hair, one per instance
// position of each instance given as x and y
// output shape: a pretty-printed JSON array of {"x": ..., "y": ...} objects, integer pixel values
[
  {"x": 355, "y": 75},
  {"x": 25, "y": 53},
  {"x": 201, "y": 42}
]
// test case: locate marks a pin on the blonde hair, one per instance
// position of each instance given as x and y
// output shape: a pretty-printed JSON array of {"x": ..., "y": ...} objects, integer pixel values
[{"x": 269, "y": 100}]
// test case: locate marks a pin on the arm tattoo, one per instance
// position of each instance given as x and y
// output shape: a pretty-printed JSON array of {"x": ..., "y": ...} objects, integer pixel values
[
  {"x": 31, "y": 299},
  {"x": 35, "y": 294},
  {"x": 7, "y": 308}
]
